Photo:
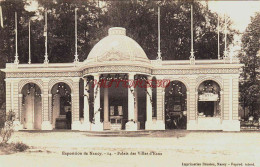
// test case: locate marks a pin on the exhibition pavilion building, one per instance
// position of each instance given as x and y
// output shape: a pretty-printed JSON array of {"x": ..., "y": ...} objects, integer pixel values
[{"x": 118, "y": 88}]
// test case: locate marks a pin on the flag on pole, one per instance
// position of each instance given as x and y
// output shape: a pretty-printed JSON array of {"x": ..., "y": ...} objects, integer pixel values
[
  {"x": 1, "y": 17},
  {"x": 159, "y": 57},
  {"x": 45, "y": 31},
  {"x": 45, "y": 25}
]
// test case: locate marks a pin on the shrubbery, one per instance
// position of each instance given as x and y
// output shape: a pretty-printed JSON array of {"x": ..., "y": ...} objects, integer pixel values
[
  {"x": 20, "y": 146},
  {"x": 2, "y": 116},
  {"x": 7, "y": 131}
]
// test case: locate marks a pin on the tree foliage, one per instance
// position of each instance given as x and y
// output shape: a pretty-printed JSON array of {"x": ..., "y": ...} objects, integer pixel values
[
  {"x": 7, "y": 36},
  {"x": 250, "y": 57},
  {"x": 8, "y": 129},
  {"x": 94, "y": 19},
  {"x": 140, "y": 20}
]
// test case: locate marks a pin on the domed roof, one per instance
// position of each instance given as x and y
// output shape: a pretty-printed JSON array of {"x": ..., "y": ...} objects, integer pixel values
[{"x": 117, "y": 47}]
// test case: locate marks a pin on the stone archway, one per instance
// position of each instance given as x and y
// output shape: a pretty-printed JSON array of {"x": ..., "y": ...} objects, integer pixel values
[
  {"x": 209, "y": 99},
  {"x": 176, "y": 105},
  {"x": 31, "y": 109},
  {"x": 61, "y": 106}
]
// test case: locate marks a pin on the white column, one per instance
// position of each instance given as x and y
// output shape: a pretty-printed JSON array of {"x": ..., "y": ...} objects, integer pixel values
[
  {"x": 106, "y": 109},
  {"x": 18, "y": 120},
  {"x": 46, "y": 106},
  {"x": 192, "y": 104},
  {"x": 86, "y": 124},
  {"x": 76, "y": 124},
  {"x": 96, "y": 99},
  {"x": 136, "y": 107},
  {"x": 86, "y": 101},
  {"x": 230, "y": 124},
  {"x": 221, "y": 106},
  {"x": 97, "y": 126},
  {"x": 230, "y": 97},
  {"x": 131, "y": 103},
  {"x": 136, "y": 104},
  {"x": 20, "y": 99},
  {"x": 47, "y": 112},
  {"x": 160, "y": 124},
  {"x": 149, "y": 108},
  {"x": 12, "y": 96},
  {"x": 149, "y": 113},
  {"x": 131, "y": 125}
]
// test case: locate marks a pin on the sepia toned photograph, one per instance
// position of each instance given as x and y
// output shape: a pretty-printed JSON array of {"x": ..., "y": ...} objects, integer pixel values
[{"x": 129, "y": 83}]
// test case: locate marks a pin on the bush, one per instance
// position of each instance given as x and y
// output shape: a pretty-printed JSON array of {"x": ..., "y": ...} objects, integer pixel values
[
  {"x": 7, "y": 131},
  {"x": 19, "y": 146},
  {"x": 8, "y": 148},
  {"x": 2, "y": 116}
]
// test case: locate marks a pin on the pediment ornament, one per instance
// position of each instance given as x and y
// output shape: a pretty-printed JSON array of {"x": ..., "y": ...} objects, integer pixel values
[{"x": 114, "y": 55}]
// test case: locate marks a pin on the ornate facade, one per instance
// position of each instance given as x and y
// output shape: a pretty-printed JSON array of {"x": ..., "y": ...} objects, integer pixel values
[{"x": 41, "y": 95}]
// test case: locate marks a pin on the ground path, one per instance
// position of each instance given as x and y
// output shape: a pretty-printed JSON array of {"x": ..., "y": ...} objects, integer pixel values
[{"x": 160, "y": 148}]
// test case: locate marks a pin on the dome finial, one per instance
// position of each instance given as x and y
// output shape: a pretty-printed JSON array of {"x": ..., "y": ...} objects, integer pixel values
[{"x": 117, "y": 31}]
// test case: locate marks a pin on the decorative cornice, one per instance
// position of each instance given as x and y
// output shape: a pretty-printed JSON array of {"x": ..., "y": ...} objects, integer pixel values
[
  {"x": 42, "y": 74},
  {"x": 195, "y": 71},
  {"x": 124, "y": 69},
  {"x": 117, "y": 69}
]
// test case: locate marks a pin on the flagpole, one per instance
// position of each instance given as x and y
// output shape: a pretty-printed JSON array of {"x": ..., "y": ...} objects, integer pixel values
[
  {"x": 1, "y": 17},
  {"x": 218, "y": 39},
  {"x": 16, "y": 61},
  {"x": 46, "y": 36},
  {"x": 46, "y": 61},
  {"x": 29, "y": 62},
  {"x": 76, "y": 39},
  {"x": 191, "y": 28},
  {"x": 159, "y": 57},
  {"x": 192, "y": 57},
  {"x": 225, "y": 52}
]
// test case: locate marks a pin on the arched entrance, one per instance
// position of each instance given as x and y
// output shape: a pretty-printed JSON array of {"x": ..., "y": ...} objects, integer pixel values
[
  {"x": 61, "y": 106},
  {"x": 141, "y": 99},
  {"x": 176, "y": 106},
  {"x": 114, "y": 102},
  {"x": 31, "y": 115},
  {"x": 209, "y": 99}
]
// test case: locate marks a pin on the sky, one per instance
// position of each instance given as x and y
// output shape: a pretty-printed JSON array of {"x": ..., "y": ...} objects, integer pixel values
[{"x": 239, "y": 11}]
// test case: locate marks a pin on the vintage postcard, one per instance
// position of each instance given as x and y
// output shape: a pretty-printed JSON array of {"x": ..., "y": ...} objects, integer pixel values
[{"x": 129, "y": 83}]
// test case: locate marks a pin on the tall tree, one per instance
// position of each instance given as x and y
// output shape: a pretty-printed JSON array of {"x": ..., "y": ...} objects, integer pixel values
[
  {"x": 94, "y": 19},
  {"x": 7, "y": 34},
  {"x": 61, "y": 28},
  {"x": 60, "y": 31},
  {"x": 250, "y": 57},
  {"x": 140, "y": 20}
]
